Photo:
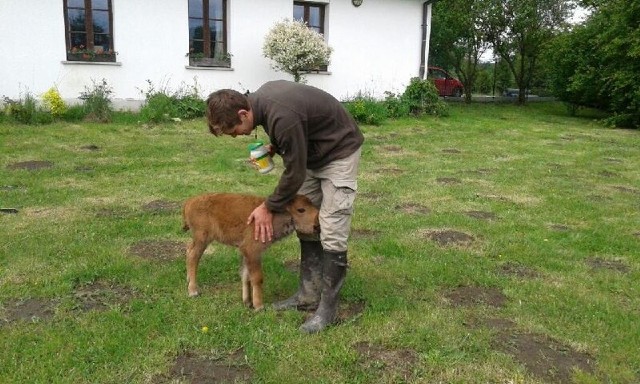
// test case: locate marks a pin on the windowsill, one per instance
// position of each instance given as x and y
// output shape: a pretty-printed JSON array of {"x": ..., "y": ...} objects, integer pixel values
[
  {"x": 112, "y": 63},
  {"x": 316, "y": 73},
  {"x": 209, "y": 68}
]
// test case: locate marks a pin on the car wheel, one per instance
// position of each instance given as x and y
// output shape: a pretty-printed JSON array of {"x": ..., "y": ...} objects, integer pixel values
[{"x": 457, "y": 92}]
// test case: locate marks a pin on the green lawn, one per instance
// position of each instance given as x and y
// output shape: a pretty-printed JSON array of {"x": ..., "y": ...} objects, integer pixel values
[{"x": 500, "y": 244}]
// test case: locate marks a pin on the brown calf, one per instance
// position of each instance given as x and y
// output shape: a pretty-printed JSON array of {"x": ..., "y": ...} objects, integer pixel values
[{"x": 222, "y": 217}]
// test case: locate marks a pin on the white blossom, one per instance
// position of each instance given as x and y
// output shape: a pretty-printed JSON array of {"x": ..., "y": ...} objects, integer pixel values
[{"x": 295, "y": 48}]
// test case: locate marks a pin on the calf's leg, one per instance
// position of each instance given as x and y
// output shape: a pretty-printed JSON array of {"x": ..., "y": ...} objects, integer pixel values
[{"x": 195, "y": 249}]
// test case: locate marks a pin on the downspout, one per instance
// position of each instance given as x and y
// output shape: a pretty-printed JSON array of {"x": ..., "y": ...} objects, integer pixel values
[{"x": 426, "y": 36}]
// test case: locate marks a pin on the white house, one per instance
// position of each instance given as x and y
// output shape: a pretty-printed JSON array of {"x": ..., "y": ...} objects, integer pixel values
[{"x": 378, "y": 45}]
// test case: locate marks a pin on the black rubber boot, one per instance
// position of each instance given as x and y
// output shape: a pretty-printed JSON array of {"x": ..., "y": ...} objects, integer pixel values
[
  {"x": 310, "y": 287},
  {"x": 334, "y": 273}
]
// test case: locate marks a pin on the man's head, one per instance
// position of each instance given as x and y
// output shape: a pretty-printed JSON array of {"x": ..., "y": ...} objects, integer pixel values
[{"x": 229, "y": 113}]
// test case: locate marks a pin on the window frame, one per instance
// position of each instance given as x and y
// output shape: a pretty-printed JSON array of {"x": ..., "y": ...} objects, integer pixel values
[
  {"x": 322, "y": 7},
  {"x": 89, "y": 53},
  {"x": 205, "y": 58}
]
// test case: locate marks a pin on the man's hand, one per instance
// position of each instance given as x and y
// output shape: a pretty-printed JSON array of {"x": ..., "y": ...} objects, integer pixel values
[{"x": 263, "y": 221}]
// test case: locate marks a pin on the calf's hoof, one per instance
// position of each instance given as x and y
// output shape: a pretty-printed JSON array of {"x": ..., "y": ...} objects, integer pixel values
[{"x": 194, "y": 294}]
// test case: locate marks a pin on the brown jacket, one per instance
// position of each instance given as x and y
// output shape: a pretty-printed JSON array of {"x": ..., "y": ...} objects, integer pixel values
[{"x": 308, "y": 127}]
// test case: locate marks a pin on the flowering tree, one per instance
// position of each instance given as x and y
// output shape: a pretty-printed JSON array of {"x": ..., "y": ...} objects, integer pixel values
[{"x": 295, "y": 48}]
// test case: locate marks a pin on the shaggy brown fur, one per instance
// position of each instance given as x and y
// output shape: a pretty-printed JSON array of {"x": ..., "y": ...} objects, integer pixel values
[{"x": 222, "y": 217}]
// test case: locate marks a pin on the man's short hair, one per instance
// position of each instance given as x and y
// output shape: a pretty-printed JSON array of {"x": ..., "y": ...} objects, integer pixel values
[{"x": 222, "y": 110}]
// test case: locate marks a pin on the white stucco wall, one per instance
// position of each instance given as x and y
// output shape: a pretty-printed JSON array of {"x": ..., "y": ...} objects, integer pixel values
[{"x": 376, "y": 48}]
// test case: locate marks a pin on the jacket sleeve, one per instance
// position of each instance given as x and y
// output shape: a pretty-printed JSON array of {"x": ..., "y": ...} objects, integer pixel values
[{"x": 292, "y": 147}]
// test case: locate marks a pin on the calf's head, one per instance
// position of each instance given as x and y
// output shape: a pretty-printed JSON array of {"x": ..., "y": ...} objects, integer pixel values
[{"x": 304, "y": 214}]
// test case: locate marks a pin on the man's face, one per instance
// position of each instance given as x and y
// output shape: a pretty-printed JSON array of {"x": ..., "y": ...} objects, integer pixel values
[{"x": 246, "y": 124}]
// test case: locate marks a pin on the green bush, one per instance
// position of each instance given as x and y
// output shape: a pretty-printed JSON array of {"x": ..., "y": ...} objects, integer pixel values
[
  {"x": 366, "y": 110},
  {"x": 74, "y": 113},
  {"x": 162, "y": 105},
  {"x": 26, "y": 111},
  {"x": 97, "y": 102},
  {"x": 421, "y": 97},
  {"x": 395, "y": 106}
]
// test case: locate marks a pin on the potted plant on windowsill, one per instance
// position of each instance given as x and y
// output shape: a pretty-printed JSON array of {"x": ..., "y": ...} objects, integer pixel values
[
  {"x": 197, "y": 59},
  {"x": 91, "y": 55}
]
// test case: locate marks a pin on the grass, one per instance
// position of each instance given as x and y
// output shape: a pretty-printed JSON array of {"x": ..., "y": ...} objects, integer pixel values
[{"x": 549, "y": 205}]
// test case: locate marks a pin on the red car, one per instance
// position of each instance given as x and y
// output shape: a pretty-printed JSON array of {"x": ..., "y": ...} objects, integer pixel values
[{"x": 446, "y": 84}]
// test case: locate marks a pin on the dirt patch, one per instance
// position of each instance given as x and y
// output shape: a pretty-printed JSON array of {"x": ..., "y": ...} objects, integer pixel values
[
  {"x": 198, "y": 369},
  {"x": 161, "y": 206},
  {"x": 9, "y": 210},
  {"x": 448, "y": 180},
  {"x": 626, "y": 189},
  {"x": 482, "y": 215},
  {"x": 448, "y": 237},
  {"x": 560, "y": 227},
  {"x": 101, "y": 295},
  {"x": 372, "y": 196},
  {"x": 114, "y": 212},
  {"x": 33, "y": 310},
  {"x": 30, "y": 165},
  {"x": 83, "y": 169},
  {"x": 388, "y": 365},
  {"x": 163, "y": 250},
  {"x": 614, "y": 265},
  {"x": 451, "y": 151},
  {"x": 292, "y": 266},
  {"x": 471, "y": 296},
  {"x": 90, "y": 147},
  {"x": 413, "y": 209},
  {"x": 392, "y": 148},
  {"x": 517, "y": 270},
  {"x": 389, "y": 171},
  {"x": 365, "y": 234},
  {"x": 350, "y": 310},
  {"x": 607, "y": 174},
  {"x": 544, "y": 357}
]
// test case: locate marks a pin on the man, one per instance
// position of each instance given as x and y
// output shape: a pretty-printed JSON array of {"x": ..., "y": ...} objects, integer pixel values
[{"x": 320, "y": 145}]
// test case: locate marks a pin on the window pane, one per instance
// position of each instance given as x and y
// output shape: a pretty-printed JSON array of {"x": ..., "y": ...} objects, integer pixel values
[
  {"x": 101, "y": 41},
  {"x": 195, "y": 29},
  {"x": 78, "y": 40},
  {"x": 314, "y": 16},
  {"x": 216, "y": 30},
  {"x": 215, "y": 9},
  {"x": 298, "y": 12},
  {"x": 75, "y": 3},
  {"x": 100, "y": 22},
  {"x": 195, "y": 8},
  {"x": 217, "y": 50},
  {"x": 99, "y": 4},
  {"x": 76, "y": 20},
  {"x": 197, "y": 46}
]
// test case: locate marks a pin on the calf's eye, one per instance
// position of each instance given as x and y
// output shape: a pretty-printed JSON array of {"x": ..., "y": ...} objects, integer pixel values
[{"x": 301, "y": 210}]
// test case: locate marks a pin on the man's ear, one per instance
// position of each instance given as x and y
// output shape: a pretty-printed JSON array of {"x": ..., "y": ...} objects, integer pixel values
[{"x": 243, "y": 114}]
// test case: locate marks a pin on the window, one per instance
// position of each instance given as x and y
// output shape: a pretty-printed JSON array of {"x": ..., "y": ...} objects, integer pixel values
[
  {"x": 208, "y": 33},
  {"x": 89, "y": 30},
  {"x": 310, "y": 13},
  {"x": 313, "y": 15}
]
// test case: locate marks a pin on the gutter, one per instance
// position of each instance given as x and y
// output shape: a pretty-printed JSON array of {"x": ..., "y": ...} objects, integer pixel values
[{"x": 426, "y": 36}]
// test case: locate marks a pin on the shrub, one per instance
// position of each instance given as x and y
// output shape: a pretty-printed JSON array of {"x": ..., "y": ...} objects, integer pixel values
[
  {"x": 97, "y": 102},
  {"x": 162, "y": 104},
  {"x": 421, "y": 97},
  {"x": 53, "y": 101},
  {"x": 395, "y": 106},
  {"x": 26, "y": 111},
  {"x": 366, "y": 110},
  {"x": 295, "y": 48}
]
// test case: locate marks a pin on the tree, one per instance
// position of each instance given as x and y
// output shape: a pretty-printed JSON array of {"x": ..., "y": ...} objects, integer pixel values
[
  {"x": 598, "y": 63},
  {"x": 519, "y": 30},
  {"x": 295, "y": 48},
  {"x": 458, "y": 38}
]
